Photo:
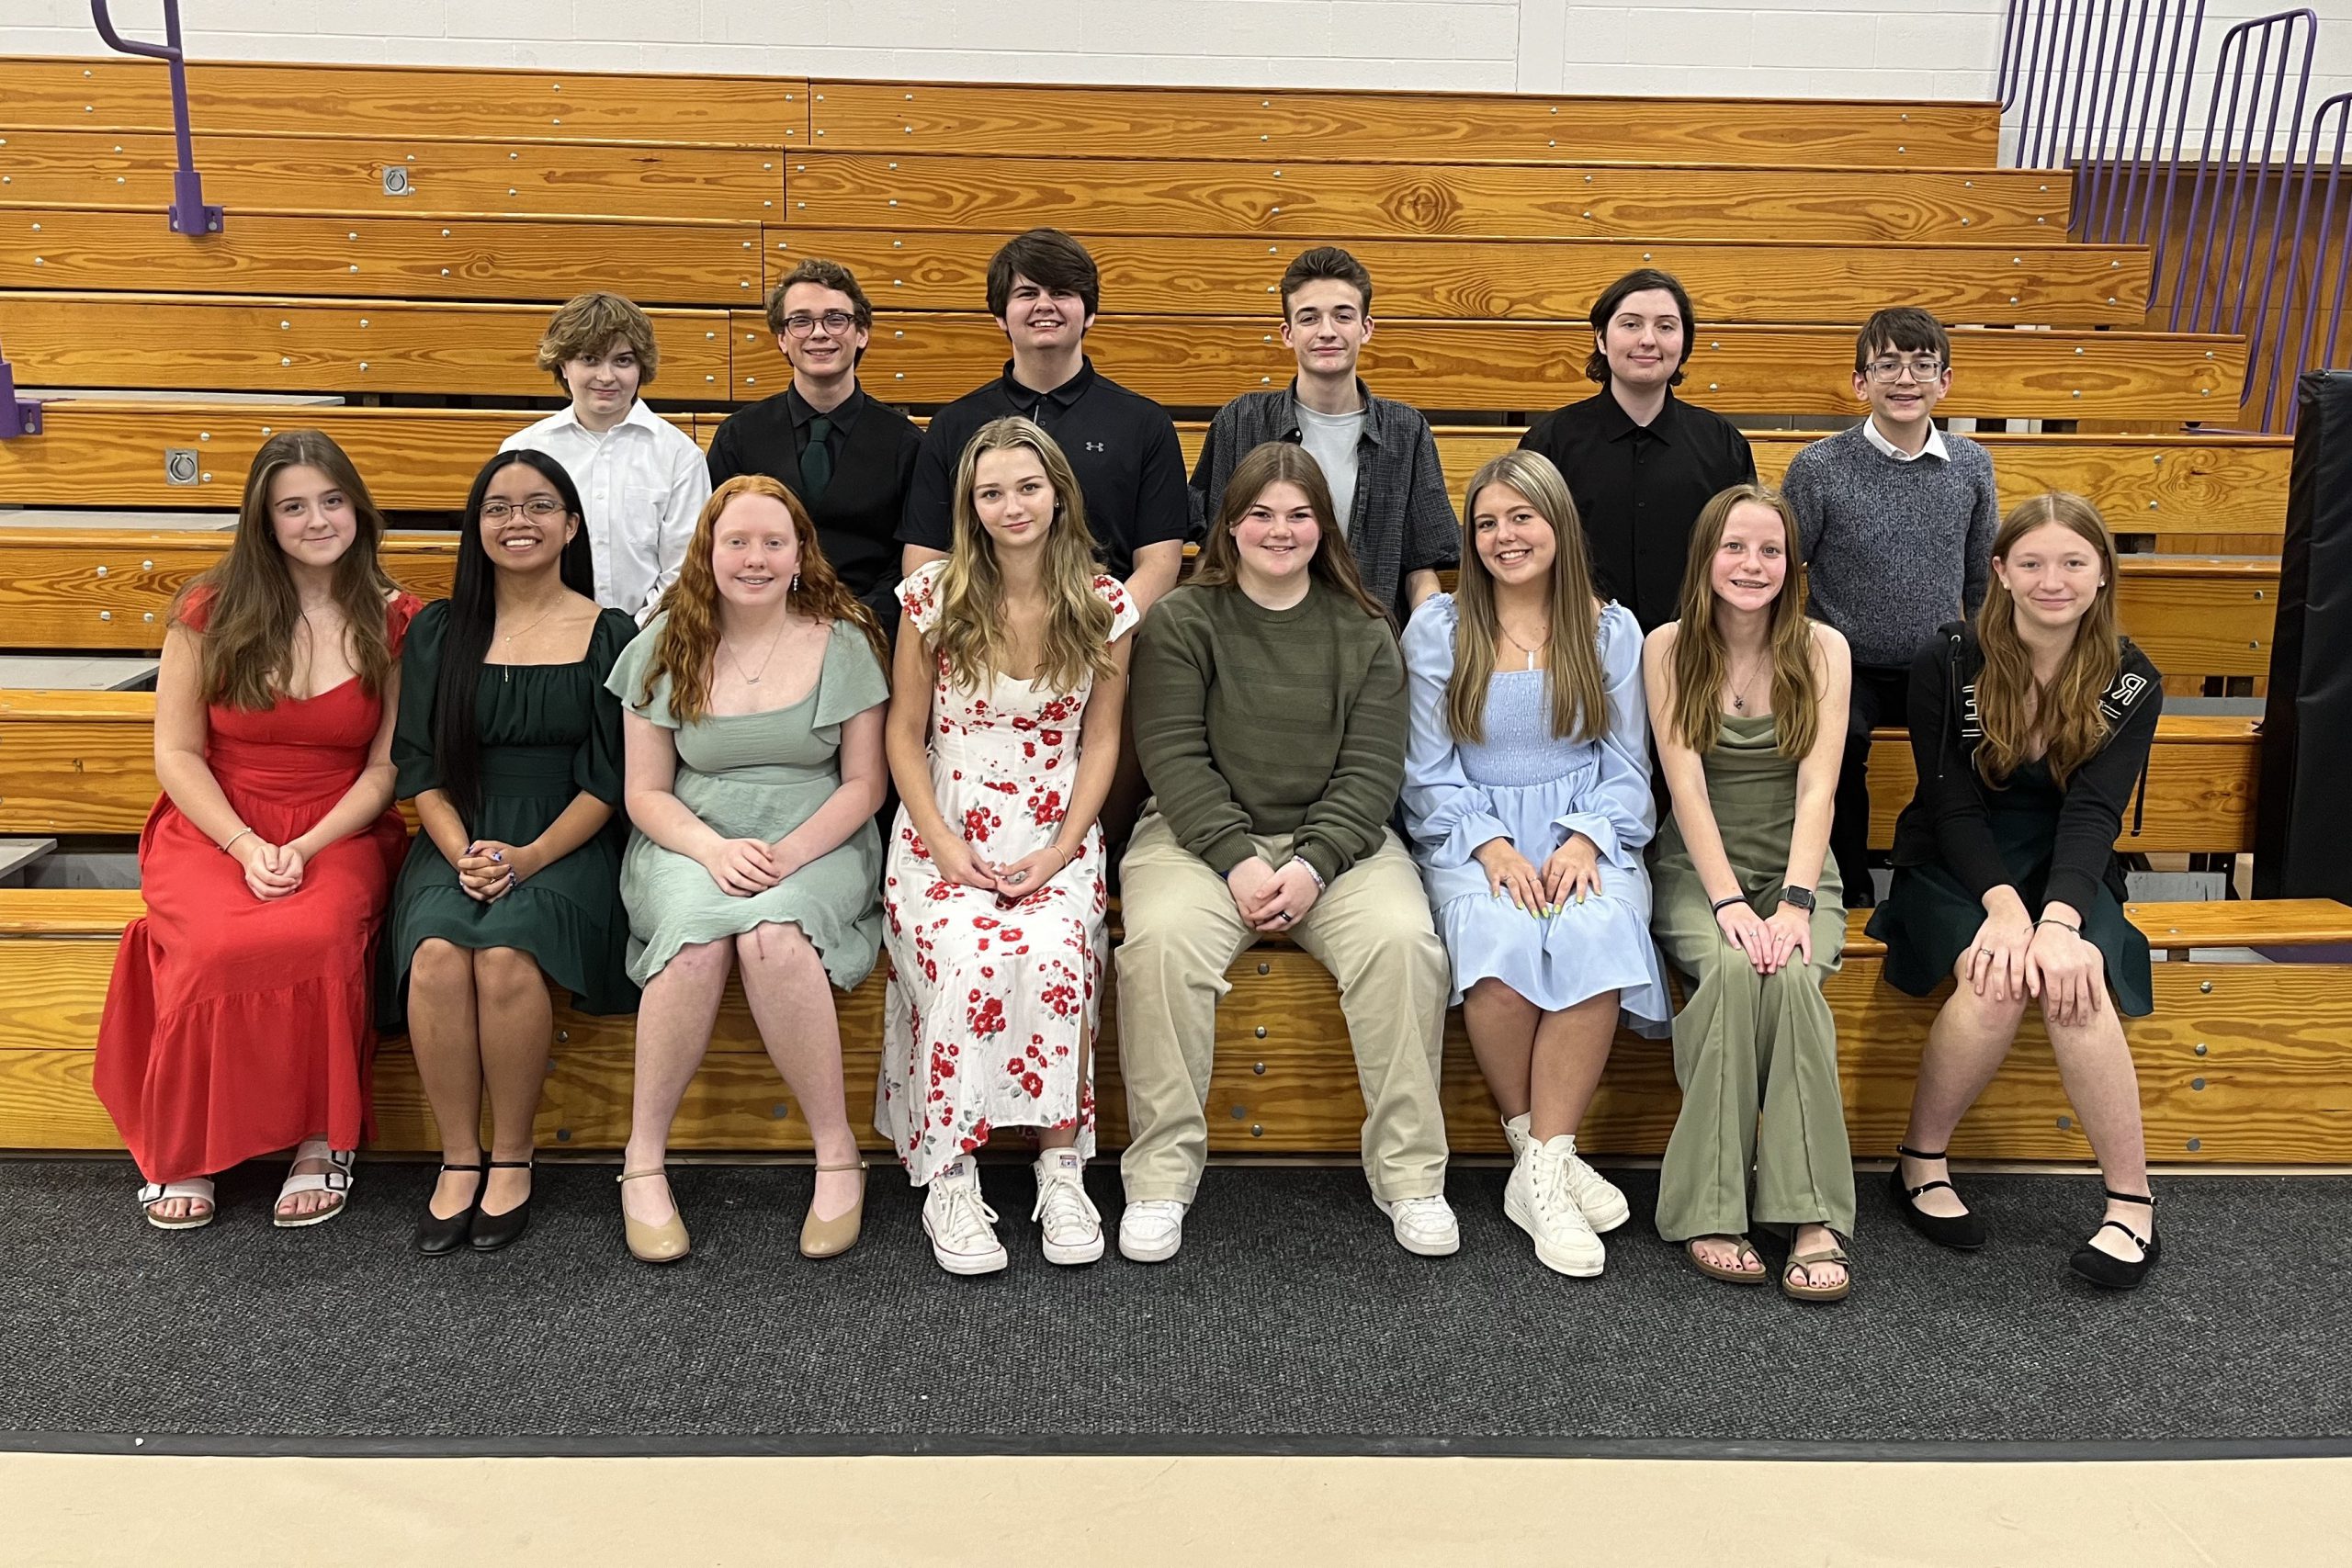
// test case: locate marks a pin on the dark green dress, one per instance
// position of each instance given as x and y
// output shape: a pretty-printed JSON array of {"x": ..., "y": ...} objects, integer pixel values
[
  {"x": 1928, "y": 920},
  {"x": 548, "y": 732}
]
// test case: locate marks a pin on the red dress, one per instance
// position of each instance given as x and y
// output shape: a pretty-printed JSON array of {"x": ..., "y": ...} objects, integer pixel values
[{"x": 235, "y": 1026}]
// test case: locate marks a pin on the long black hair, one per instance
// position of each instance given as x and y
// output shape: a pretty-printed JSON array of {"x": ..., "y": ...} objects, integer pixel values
[{"x": 474, "y": 616}]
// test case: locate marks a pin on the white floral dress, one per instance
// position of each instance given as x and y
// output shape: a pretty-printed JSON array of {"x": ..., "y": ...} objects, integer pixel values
[{"x": 988, "y": 1002}]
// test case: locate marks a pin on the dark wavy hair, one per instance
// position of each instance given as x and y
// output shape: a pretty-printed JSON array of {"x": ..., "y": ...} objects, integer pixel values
[
  {"x": 1641, "y": 280},
  {"x": 474, "y": 616}
]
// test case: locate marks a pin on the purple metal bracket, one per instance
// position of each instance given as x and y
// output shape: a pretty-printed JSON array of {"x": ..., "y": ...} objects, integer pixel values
[
  {"x": 19, "y": 416},
  {"x": 189, "y": 214}
]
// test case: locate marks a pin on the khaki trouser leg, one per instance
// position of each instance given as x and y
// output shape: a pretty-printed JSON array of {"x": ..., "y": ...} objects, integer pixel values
[
  {"x": 1371, "y": 929},
  {"x": 1181, "y": 931}
]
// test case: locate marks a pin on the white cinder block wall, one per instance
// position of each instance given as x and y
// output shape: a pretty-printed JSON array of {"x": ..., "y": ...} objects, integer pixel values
[{"x": 1946, "y": 49}]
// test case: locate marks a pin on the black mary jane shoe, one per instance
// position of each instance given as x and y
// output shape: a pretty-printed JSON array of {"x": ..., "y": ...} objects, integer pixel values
[
  {"x": 1961, "y": 1232},
  {"x": 437, "y": 1237},
  {"x": 2107, "y": 1270},
  {"x": 494, "y": 1231}
]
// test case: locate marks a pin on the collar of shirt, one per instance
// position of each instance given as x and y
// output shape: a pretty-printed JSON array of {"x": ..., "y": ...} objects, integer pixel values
[
  {"x": 1287, "y": 412},
  {"x": 1063, "y": 397},
  {"x": 639, "y": 415},
  {"x": 844, "y": 414},
  {"x": 1934, "y": 448},
  {"x": 1616, "y": 425}
]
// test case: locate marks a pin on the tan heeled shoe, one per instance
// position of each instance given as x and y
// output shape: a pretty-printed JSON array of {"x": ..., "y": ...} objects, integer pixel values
[
  {"x": 829, "y": 1238},
  {"x": 664, "y": 1243}
]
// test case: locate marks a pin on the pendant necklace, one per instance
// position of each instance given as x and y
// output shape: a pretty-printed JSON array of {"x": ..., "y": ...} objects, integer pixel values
[
  {"x": 507, "y": 671},
  {"x": 1531, "y": 652},
  {"x": 752, "y": 678},
  {"x": 1739, "y": 692}
]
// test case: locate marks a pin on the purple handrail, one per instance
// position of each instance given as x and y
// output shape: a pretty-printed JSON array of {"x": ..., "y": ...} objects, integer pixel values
[
  {"x": 2329, "y": 245},
  {"x": 188, "y": 212}
]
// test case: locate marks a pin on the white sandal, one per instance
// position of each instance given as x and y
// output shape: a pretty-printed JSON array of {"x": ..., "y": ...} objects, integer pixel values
[
  {"x": 197, "y": 1189},
  {"x": 337, "y": 1180}
]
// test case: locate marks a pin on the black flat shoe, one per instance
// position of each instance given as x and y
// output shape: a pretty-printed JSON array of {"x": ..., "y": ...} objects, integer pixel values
[
  {"x": 494, "y": 1231},
  {"x": 1961, "y": 1232},
  {"x": 437, "y": 1237},
  {"x": 2109, "y": 1272}
]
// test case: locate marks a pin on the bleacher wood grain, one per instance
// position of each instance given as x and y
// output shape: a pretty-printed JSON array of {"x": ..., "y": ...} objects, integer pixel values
[
  {"x": 409, "y": 258},
  {"x": 1307, "y": 200},
  {"x": 209, "y": 342},
  {"x": 2200, "y": 616},
  {"x": 1495, "y": 279},
  {"x": 408, "y": 101},
  {"x": 1522, "y": 365},
  {"x": 1025, "y": 118},
  {"x": 547, "y": 179}
]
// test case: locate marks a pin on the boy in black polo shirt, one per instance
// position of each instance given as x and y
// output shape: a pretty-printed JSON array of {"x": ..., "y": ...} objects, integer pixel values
[
  {"x": 1044, "y": 291},
  {"x": 1640, "y": 462},
  {"x": 848, "y": 457}
]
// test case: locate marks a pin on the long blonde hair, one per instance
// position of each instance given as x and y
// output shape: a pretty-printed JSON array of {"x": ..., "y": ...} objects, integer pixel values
[
  {"x": 1702, "y": 662},
  {"x": 1572, "y": 669},
  {"x": 248, "y": 602},
  {"x": 687, "y": 645},
  {"x": 972, "y": 633},
  {"x": 2010, "y": 704}
]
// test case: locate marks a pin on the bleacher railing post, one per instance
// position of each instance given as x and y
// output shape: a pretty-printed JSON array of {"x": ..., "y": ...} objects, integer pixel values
[
  {"x": 19, "y": 416},
  {"x": 189, "y": 214}
]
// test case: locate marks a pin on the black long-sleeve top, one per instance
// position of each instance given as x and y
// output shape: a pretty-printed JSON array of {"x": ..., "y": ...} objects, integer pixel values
[{"x": 1946, "y": 822}]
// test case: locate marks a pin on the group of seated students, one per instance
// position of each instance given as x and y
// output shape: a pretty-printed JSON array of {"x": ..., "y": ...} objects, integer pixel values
[{"x": 650, "y": 736}]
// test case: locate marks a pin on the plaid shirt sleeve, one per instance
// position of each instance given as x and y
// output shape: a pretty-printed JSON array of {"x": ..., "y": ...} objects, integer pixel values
[{"x": 1432, "y": 531}]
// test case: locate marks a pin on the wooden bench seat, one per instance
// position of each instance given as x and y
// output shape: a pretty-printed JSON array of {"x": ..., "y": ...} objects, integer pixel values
[
  {"x": 1305, "y": 200},
  {"x": 2241, "y": 1063},
  {"x": 84, "y": 762}
]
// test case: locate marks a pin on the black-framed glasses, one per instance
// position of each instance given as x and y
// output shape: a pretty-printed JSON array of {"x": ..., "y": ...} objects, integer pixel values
[
  {"x": 1926, "y": 367},
  {"x": 836, "y": 323}
]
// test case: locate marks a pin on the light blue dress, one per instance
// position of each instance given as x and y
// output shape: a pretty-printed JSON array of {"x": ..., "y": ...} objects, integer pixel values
[{"x": 1524, "y": 784}]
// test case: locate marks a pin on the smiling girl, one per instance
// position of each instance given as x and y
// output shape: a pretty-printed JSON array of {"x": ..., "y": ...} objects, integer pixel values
[
  {"x": 237, "y": 1019},
  {"x": 2030, "y": 730}
]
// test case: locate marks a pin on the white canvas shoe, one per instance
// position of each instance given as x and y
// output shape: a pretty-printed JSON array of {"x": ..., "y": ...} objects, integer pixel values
[
  {"x": 1068, "y": 1219},
  {"x": 1424, "y": 1226},
  {"x": 1604, "y": 1206},
  {"x": 961, "y": 1225},
  {"x": 1545, "y": 1205},
  {"x": 1515, "y": 1129},
  {"x": 1152, "y": 1229}
]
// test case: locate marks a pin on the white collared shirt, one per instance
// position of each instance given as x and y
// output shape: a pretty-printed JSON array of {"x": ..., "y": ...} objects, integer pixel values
[
  {"x": 1934, "y": 448},
  {"x": 642, "y": 485}
]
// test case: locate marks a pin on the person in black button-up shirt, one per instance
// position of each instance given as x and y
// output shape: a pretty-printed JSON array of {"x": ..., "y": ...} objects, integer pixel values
[
  {"x": 1043, "y": 290},
  {"x": 856, "y": 485},
  {"x": 1639, "y": 461}
]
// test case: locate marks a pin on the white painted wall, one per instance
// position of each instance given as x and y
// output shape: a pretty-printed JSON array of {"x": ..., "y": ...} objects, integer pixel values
[{"x": 1945, "y": 49}]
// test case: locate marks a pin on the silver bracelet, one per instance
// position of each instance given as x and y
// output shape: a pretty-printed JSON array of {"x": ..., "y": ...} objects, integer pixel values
[
  {"x": 233, "y": 840},
  {"x": 1321, "y": 885}
]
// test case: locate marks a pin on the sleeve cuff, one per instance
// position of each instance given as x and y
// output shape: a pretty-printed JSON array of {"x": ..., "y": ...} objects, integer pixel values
[
  {"x": 1228, "y": 849},
  {"x": 1599, "y": 829},
  {"x": 1322, "y": 857},
  {"x": 2073, "y": 888}
]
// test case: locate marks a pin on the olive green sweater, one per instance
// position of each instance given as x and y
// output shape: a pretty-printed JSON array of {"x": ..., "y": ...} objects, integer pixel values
[{"x": 1250, "y": 720}]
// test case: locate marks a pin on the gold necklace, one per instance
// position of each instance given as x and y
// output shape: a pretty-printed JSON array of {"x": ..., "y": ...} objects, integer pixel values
[
  {"x": 753, "y": 680},
  {"x": 1739, "y": 692},
  {"x": 1542, "y": 643},
  {"x": 506, "y": 668}
]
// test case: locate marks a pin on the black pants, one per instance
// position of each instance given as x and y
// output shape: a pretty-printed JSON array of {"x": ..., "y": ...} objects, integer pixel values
[{"x": 1881, "y": 696}]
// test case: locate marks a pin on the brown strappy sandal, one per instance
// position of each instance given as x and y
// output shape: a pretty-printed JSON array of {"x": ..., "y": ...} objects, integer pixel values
[
  {"x": 1716, "y": 1271},
  {"x": 1804, "y": 1262}
]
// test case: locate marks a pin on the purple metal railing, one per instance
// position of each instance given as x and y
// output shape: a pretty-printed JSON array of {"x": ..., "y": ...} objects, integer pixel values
[
  {"x": 189, "y": 214},
  {"x": 2332, "y": 247}
]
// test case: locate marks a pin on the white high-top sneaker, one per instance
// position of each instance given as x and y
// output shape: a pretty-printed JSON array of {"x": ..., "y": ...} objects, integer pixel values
[
  {"x": 961, "y": 1225},
  {"x": 1068, "y": 1221},
  {"x": 1515, "y": 1129},
  {"x": 1546, "y": 1207},
  {"x": 1604, "y": 1206}
]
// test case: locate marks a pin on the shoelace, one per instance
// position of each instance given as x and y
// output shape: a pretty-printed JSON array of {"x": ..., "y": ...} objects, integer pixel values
[
  {"x": 965, "y": 1217},
  {"x": 1159, "y": 1211},
  {"x": 1422, "y": 1214},
  {"x": 1063, "y": 1205},
  {"x": 1555, "y": 1180}
]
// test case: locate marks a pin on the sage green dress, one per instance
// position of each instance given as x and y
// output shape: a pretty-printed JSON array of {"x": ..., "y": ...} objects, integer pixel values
[
  {"x": 549, "y": 733},
  {"x": 1756, "y": 1056},
  {"x": 758, "y": 776}
]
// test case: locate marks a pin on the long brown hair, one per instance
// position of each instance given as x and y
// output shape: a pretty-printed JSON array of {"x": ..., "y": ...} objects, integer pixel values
[
  {"x": 250, "y": 606},
  {"x": 1572, "y": 669},
  {"x": 1702, "y": 662},
  {"x": 2012, "y": 706},
  {"x": 973, "y": 633},
  {"x": 687, "y": 643},
  {"x": 1333, "y": 564}
]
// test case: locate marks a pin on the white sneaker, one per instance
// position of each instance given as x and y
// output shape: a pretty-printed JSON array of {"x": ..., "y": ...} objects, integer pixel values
[
  {"x": 1071, "y": 1225},
  {"x": 1515, "y": 1129},
  {"x": 1423, "y": 1225},
  {"x": 1151, "y": 1231},
  {"x": 1540, "y": 1200},
  {"x": 960, "y": 1224},
  {"x": 1604, "y": 1206}
]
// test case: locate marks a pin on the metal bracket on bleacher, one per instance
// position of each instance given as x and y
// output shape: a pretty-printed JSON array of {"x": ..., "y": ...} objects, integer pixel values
[
  {"x": 19, "y": 416},
  {"x": 188, "y": 212}
]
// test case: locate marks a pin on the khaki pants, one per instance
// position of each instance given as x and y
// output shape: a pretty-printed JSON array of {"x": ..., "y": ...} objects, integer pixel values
[{"x": 1371, "y": 928}]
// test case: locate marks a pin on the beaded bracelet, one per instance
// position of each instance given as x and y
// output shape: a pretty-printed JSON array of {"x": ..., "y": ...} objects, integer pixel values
[{"x": 1302, "y": 860}]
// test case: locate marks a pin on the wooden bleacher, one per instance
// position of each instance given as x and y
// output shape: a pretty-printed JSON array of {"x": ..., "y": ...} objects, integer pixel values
[{"x": 1789, "y": 221}]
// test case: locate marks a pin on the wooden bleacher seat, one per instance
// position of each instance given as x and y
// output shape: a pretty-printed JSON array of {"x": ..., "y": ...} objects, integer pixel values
[{"x": 2236, "y": 1065}]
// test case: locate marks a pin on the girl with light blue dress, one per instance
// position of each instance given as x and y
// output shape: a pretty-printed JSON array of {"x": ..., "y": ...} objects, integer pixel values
[{"x": 1527, "y": 789}]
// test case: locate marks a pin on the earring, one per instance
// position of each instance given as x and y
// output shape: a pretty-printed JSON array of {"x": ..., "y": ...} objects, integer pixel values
[{"x": 795, "y": 586}]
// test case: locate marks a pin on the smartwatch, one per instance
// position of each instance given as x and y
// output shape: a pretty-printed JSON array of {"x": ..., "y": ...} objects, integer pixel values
[{"x": 1800, "y": 896}]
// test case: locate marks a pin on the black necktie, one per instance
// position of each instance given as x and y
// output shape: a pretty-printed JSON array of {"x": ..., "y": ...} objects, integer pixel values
[{"x": 817, "y": 458}]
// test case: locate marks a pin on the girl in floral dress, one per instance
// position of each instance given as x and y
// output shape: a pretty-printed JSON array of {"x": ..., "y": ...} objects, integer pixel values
[{"x": 1004, "y": 735}]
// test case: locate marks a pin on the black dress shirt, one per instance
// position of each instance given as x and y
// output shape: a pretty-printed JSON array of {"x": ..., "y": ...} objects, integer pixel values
[
  {"x": 1122, "y": 445},
  {"x": 1639, "y": 489},
  {"x": 873, "y": 447}
]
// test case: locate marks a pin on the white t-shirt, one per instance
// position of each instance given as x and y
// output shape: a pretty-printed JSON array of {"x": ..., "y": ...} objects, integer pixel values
[{"x": 1332, "y": 439}]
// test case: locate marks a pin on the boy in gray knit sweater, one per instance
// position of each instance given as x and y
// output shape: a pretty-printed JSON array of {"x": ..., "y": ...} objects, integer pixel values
[{"x": 1896, "y": 521}]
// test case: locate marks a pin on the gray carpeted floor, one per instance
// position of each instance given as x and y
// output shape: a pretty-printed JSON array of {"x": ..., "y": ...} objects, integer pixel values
[{"x": 1289, "y": 1316}]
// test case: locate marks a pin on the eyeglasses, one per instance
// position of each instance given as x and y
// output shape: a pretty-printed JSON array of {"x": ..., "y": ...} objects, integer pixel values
[
  {"x": 835, "y": 322},
  {"x": 537, "y": 508},
  {"x": 1926, "y": 367}
]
